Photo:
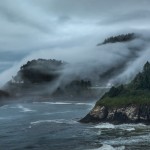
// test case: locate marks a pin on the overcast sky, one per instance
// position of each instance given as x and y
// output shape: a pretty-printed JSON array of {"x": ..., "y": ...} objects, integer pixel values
[{"x": 34, "y": 28}]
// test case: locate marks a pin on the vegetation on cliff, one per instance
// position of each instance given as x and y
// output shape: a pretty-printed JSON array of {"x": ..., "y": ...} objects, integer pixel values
[{"x": 136, "y": 92}]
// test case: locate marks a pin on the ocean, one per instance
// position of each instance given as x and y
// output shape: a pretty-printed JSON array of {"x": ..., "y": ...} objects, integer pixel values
[{"x": 53, "y": 125}]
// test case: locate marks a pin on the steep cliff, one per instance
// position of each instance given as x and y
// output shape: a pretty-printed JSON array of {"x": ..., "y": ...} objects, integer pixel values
[
  {"x": 123, "y": 114},
  {"x": 126, "y": 103}
]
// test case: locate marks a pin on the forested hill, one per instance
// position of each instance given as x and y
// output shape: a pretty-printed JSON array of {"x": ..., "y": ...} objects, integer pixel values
[
  {"x": 38, "y": 71},
  {"x": 119, "y": 38},
  {"x": 45, "y": 77},
  {"x": 136, "y": 92},
  {"x": 126, "y": 103}
]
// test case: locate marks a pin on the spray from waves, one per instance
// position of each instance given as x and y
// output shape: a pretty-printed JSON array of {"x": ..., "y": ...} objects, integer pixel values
[
  {"x": 109, "y": 147},
  {"x": 59, "y": 121}
]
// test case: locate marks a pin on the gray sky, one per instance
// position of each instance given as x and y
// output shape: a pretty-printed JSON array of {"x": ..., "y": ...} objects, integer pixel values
[{"x": 64, "y": 29}]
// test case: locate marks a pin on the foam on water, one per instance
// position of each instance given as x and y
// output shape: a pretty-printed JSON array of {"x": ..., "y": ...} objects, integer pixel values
[
  {"x": 53, "y": 103},
  {"x": 109, "y": 147},
  {"x": 65, "y": 103},
  {"x": 128, "y": 140},
  {"x": 59, "y": 121},
  {"x": 62, "y": 112},
  {"x": 4, "y": 106},
  {"x": 127, "y": 127},
  {"x": 24, "y": 109},
  {"x": 130, "y": 127},
  {"x": 90, "y": 104},
  {"x": 104, "y": 126}
]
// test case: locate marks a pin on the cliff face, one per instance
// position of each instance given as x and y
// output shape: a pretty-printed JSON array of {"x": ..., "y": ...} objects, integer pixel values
[
  {"x": 126, "y": 103},
  {"x": 129, "y": 114}
]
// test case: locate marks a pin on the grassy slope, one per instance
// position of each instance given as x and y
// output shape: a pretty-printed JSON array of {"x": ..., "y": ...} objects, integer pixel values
[
  {"x": 133, "y": 97},
  {"x": 137, "y": 92}
]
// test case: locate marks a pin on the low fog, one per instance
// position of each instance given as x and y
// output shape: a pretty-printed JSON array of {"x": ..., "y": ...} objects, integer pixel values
[{"x": 70, "y": 30}]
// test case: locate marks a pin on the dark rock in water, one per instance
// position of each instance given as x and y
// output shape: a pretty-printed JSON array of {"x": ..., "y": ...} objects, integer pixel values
[
  {"x": 98, "y": 114},
  {"x": 129, "y": 114}
]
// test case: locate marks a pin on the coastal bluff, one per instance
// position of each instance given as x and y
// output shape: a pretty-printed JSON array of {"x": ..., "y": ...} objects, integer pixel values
[{"x": 124, "y": 104}]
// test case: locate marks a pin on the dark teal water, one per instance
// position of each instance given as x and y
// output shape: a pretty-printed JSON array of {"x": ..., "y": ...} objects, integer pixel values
[{"x": 54, "y": 126}]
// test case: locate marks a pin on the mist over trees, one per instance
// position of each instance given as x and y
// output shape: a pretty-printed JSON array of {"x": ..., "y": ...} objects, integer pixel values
[
  {"x": 119, "y": 38},
  {"x": 38, "y": 71},
  {"x": 142, "y": 80}
]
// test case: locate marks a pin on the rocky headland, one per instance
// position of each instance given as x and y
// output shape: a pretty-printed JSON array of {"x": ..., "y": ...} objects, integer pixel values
[{"x": 124, "y": 104}]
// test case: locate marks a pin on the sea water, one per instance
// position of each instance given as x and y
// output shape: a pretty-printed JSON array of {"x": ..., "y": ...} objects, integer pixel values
[{"x": 53, "y": 125}]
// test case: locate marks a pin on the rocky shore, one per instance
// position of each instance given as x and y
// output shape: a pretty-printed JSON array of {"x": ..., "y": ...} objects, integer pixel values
[{"x": 129, "y": 114}]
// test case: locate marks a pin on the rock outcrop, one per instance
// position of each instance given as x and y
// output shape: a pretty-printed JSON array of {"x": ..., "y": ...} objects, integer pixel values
[
  {"x": 129, "y": 114},
  {"x": 126, "y": 103}
]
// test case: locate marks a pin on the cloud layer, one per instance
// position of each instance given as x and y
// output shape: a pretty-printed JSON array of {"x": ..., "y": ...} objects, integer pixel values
[{"x": 69, "y": 30}]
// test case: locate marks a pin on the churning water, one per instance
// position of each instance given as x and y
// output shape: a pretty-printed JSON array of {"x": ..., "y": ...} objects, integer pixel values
[{"x": 55, "y": 126}]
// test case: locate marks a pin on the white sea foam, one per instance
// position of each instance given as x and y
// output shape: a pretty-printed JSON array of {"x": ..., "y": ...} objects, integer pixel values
[
  {"x": 60, "y": 121},
  {"x": 128, "y": 140},
  {"x": 99, "y": 132},
  {"x": 127, "y": 127},
  {"x": 109, "y": 147},
  {"x": 62, "y": 112},
  {"x": 24, "y": 109},
  {"x": 104, "y": 126},
  {"x": 130, "y": 127},
  {"x": 54, "y": 103},
  {"x": 65, "y": 103},
  {"x": 90, "y": 104},
  {"x": 4, "y": 106}
]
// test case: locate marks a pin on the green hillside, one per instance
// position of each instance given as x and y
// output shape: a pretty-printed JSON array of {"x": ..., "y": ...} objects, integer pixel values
[{"x": 136, "y": 92}]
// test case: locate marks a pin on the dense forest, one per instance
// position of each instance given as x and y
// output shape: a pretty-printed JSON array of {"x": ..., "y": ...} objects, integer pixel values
[
  {"x": 38, "y": 71},
  {"x": 136, "y": 92},
  {"x": 119, "y": 38}
]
